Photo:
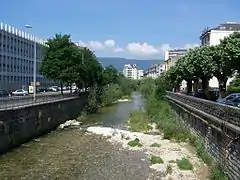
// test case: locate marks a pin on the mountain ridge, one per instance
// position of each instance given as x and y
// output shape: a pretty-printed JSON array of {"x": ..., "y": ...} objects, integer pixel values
[{"x": 119, "y": 62}]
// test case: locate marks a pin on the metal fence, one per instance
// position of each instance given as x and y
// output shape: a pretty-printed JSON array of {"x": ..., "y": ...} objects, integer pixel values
[
  {"x": 20, "y": 101},
  {"x": 227, "y": 113}
]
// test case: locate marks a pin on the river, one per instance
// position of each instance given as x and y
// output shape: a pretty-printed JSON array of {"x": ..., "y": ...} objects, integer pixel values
[{"x": 74, "y": 154}]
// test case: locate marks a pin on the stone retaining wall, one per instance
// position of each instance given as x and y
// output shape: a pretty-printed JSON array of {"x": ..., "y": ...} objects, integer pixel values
[
  {"x": 22, "y": 124},
  {"x": 220, "y": 136}
]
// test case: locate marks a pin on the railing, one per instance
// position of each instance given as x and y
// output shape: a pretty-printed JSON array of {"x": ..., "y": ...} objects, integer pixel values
[
  {"x": 15, "y": 102},
  {"x": 227, "y": 113},
  {"x": 217, "y": 125}
]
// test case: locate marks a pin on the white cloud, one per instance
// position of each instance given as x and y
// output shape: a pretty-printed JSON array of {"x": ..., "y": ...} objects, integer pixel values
[
  {"x": 109, "y": 43},
  {"x": 95, "y": 45},
  {"x": 118, "y": 49},
  {"x": 164, "y": 47},
  {"x": 189, "y": 46},
  {"x": 81, "y": 43},
  {"x": 135, "y": 48},
  {"x": 142, "y": 49}
]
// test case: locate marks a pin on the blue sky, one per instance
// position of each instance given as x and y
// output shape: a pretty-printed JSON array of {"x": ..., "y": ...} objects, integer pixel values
[{"x": 126, "y": 28}]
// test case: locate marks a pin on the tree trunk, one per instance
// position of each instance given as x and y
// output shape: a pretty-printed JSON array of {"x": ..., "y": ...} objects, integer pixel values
[
  {"x": 222, "y": 81},
  {"x": 177, "y": 88},
  {"x": 189, "y": 86},
  {"x": 195, "y": 85},
  {"x": 70, "y": 84},
  {"x": 205, "y": 83},
  {"x": 61, "y": 84}
]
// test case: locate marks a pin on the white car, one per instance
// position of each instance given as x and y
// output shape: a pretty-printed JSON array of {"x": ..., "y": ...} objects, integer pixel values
[{"x": 20, "y": 92}]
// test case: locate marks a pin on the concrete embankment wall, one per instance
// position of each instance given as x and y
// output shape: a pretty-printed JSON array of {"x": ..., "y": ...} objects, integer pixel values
[
  {"x": 218, "y": 126},
  {"x": 23, "y": 124}
]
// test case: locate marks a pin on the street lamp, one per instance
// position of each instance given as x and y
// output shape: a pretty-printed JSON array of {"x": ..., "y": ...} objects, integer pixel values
[{"x": 34, "y": 64}]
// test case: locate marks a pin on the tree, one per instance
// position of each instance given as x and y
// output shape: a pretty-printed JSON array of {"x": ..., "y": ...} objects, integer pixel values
[
  {"x": 226, "y": 59},
  {"x": 110, "y": 74},
  {"x": 200, "y": 64},
  {"x": 174, "y": 77},
  {"x": 59, "y": 59}
]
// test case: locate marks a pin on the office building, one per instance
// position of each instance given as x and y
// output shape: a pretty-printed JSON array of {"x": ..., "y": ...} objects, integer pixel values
[
  {"x": 17, "y": 59},
  {"x": 132, "y": 71},
  {"x": 212, "y": 36},
  {"x": 172, "y": 56},
  {"x": 155, "y": 71}
]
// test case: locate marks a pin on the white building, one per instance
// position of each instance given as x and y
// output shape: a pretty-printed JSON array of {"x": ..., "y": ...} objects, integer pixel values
[
  {"x": 132, "y": 71},
  {"x": 172, "y": 56},
  {"x": 212, "y": 36},
  {"x": 155, "y": 71}
]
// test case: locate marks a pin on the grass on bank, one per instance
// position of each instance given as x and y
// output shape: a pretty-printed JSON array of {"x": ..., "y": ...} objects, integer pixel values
[
  {"x": 138, "y": 122},
  {"x": 159, "y": 111}
]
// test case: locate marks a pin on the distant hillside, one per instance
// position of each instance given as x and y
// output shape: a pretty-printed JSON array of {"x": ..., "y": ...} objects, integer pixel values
[{"x": 118, "y": 63}]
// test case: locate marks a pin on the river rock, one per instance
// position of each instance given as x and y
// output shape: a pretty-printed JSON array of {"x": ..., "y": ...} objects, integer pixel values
[
  {"x": 70, "y": 123},
  {"x": 161, "y": 169}
]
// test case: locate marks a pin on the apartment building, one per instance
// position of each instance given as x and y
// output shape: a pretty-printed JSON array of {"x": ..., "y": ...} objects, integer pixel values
[
  {"x": 172, "y": 56},
  {"x": 213, "y": 36},
  {"x": 155, "y": 71},
  {"x": 17, "y": 59},
  {"x": 131, "y": 71}
]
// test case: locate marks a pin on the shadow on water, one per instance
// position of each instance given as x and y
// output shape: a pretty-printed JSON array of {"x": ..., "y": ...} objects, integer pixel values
[{"x": 72, "y": 154}]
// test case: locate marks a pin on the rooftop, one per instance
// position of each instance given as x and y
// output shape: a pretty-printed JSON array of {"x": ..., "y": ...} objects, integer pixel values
[
  {"x": 228, "y": 26},
  {"x": 178, "y": 50}
]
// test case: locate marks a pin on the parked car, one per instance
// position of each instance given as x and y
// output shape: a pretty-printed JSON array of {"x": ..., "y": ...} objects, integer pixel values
[
  {"x": 4, "y": 93},
  {"x": 42, "y": 89},
  {"x": 54, "y": 88},
  {"x": 20, "y": 92},
  {"x": 232, "y": 100}
]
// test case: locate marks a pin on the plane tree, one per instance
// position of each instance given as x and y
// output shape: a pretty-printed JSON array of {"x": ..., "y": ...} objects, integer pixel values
[{"x": 59, "y": 59}]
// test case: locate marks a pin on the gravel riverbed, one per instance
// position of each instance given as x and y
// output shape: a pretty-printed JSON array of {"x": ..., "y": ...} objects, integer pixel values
[{"x": 74, "y": 155}]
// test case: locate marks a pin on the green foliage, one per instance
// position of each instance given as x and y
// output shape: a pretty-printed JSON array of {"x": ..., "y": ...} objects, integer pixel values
[
  {"x": 134, "y": 143},
  {"x": 59, "y": 59},
  {"x": 138, "y": 121},
  {"x": 92, "y": 104},
  {"x": 234, "y": 86},
  {"x": 65, "y": 62},
  {"x": 232, "y": 89},
  {"x": 235, "y": 82},
  {"x": 218, "y": 173},
  {"x": 159, "y": 112},
  {"x": 111, "y": 93},
  {"x": 202, "y": 63},
  {"x": 156, "y": 160},
  {"x": 184, "y": 164}
]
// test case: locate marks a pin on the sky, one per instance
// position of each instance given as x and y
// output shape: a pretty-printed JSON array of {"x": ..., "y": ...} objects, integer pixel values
[{"x": 141, "y": 29}]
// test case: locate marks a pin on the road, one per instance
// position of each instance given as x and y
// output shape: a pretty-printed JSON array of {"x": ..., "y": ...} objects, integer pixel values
[{"x": 16, "y": 101}]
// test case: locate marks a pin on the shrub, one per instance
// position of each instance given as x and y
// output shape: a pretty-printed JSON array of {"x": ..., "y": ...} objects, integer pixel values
[
  {"x": 134, "y": 143},
  {"x": 156, "y": 160},
  {"x": 184, "y": 164}
]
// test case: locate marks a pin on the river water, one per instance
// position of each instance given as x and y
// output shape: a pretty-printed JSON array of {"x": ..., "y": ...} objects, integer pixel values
[{"x": 74, "y": 154}]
